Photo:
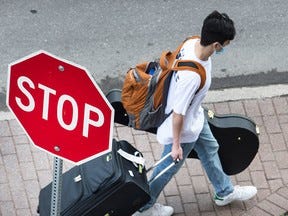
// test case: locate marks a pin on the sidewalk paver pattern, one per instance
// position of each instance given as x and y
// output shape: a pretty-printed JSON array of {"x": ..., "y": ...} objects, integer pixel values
[{"x": 24, "y": 169}]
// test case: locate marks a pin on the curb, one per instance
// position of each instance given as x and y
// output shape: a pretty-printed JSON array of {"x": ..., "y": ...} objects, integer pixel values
[{"x": 244, "y": 93}]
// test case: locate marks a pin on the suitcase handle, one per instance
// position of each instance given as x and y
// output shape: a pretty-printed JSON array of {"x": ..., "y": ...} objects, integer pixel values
[
  {"x": 163, "y": 171},
  {"x": 133, "y": 158},
  {"x": 158, "y": 162}
]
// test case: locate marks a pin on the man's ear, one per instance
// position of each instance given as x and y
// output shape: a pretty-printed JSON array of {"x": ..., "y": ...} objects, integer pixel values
[{"x": 215, "y": 46}]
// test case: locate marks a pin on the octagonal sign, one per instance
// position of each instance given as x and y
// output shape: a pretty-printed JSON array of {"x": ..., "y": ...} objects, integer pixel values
[{"x": 60, "y": 107}]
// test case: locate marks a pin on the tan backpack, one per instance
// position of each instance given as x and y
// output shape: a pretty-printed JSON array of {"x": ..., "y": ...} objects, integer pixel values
[{"x": 145, "y": 88}]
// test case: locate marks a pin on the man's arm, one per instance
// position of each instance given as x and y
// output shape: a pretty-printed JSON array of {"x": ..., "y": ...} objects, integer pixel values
[{"x": 177, "y": 152}]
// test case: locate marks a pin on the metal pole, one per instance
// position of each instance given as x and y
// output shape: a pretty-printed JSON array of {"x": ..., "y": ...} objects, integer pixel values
[{"x": 56, "y": 187}]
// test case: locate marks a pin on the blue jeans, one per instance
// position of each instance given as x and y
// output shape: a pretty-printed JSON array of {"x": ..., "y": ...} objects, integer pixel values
[{"x": 206, "y": 147}]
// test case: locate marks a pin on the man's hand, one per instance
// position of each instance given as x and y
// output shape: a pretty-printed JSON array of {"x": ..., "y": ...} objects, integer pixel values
[{"x": 177, "y": 152}]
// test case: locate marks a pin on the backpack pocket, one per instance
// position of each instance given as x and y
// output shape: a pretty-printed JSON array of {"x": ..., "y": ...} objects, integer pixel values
[{"x": 152, "y": 118}]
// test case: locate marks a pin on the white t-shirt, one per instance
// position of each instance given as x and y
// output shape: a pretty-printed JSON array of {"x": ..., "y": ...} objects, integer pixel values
[{"x": 183, "y": 87}]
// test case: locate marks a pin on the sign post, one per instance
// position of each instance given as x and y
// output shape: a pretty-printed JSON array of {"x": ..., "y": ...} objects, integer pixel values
[
  {"x": 56, "y": 187},
  {"x": 61, "y": 109}
]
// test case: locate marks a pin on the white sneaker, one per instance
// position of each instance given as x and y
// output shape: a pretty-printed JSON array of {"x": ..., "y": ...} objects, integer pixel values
[
  {"x": 239, "y": 193},
  {"x": 156, "y": 210}
]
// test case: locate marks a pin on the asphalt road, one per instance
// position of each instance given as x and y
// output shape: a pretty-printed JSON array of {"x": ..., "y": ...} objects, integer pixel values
[{"x": 107, "y": 37}]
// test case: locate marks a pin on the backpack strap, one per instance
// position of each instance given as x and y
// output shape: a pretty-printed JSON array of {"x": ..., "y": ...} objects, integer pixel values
[
  {"x": 192, "y": 66},
  {"x": 167, "y": 58},
  {"x": 168, "y": 61}
]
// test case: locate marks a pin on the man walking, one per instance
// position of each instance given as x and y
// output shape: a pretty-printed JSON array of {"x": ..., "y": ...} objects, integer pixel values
[{"x": 186, "y": 128}]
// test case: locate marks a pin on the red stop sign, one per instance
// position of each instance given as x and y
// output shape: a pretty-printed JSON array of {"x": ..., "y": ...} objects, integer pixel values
[{"x": 60, "y": 107}]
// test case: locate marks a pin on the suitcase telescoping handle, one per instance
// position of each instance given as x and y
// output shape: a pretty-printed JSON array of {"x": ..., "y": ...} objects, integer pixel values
[{"x": 164, "y": 170}]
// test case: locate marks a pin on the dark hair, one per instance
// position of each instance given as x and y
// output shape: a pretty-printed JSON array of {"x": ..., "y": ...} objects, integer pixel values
[{"x": 217, "y": 27}]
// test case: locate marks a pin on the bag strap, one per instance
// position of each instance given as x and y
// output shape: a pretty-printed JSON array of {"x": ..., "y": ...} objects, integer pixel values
[
  {"x": 168, "y": 58},
  {"x": 191, "y": 66},
  {"x": 168, "y": 61},
  {"x": 135, "y": 159}
]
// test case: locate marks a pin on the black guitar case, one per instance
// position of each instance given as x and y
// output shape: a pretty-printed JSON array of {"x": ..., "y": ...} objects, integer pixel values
[{"x": 237, "y": 135}]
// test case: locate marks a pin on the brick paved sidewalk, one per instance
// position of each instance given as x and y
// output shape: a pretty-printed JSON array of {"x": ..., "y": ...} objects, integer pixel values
[{"x": 24, "y": 169}]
